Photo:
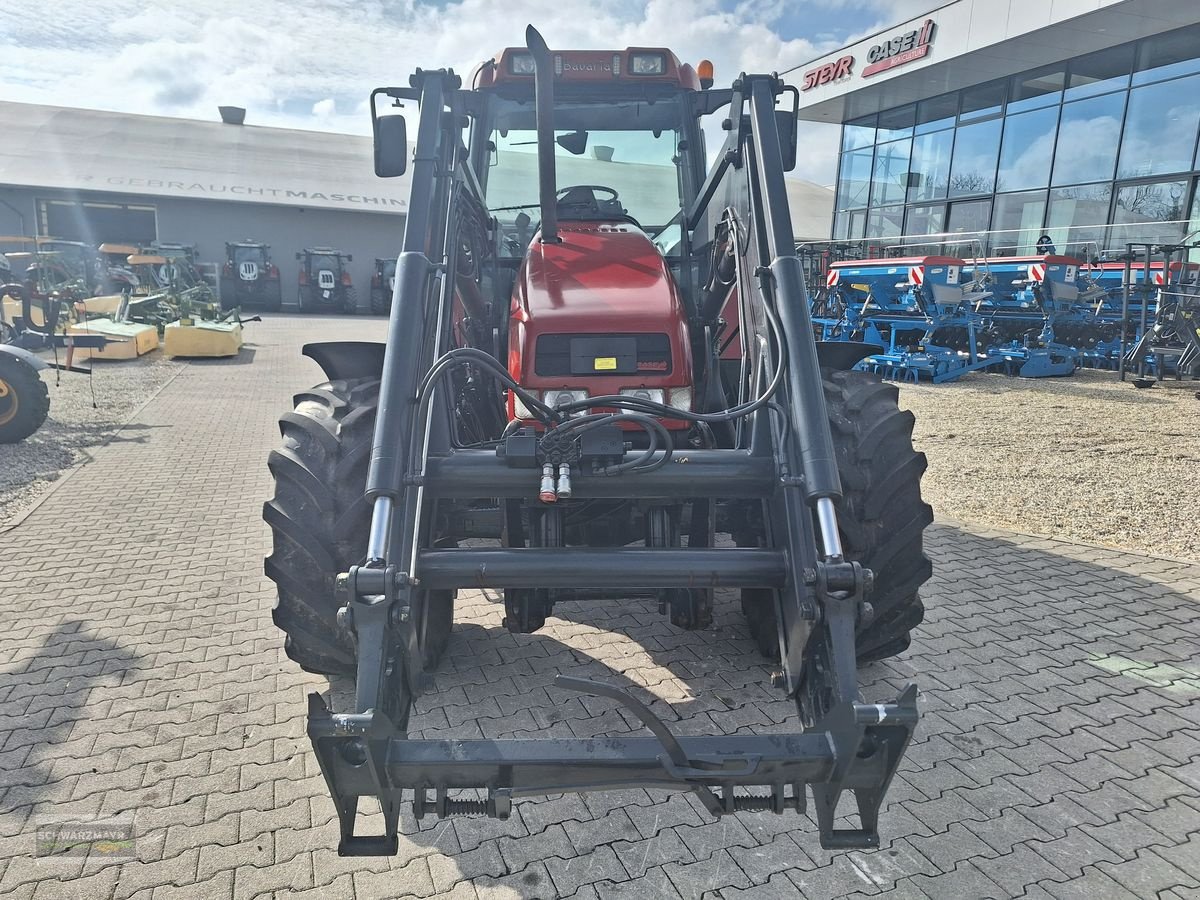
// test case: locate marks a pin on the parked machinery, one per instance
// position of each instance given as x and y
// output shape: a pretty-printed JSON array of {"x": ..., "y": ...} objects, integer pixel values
[
  {"x": 918, "y": 309},
  {"x": 325, "y": 283},
  {"x": 32, "y": 312},
  {"x": 249, "y": 278},
  {"x": 383, "y": 283},
  {"x": 561, "y": 395},
  {"x": 1032, "y": 304},
  {"x": 1160, "y": 335}
]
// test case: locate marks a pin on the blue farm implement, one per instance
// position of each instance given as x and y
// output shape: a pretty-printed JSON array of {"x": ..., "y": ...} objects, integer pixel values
[
  {"x": 1031, "y": 314},
  {"x": 916, "y": 309}
]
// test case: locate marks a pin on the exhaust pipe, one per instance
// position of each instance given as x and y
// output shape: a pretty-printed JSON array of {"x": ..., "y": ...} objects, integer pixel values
[{"x": 543, "y": 82}]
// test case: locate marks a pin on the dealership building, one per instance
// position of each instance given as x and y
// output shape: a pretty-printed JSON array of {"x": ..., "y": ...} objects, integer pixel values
[
  {"x": 96, "y": 176},
  {"x": 1007, "y": 121}
]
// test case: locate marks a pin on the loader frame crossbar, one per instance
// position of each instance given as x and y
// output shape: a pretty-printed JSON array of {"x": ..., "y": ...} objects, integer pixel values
[{"x": 785, "y": 466}]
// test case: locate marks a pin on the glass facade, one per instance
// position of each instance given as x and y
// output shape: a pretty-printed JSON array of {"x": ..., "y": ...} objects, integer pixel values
[{"x": 1094, "y": 152}]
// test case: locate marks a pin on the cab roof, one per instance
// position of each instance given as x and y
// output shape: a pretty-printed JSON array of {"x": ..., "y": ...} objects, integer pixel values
[{"x": 631, "y": 66}]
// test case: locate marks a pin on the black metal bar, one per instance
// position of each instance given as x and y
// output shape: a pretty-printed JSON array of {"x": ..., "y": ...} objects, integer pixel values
[
  {"x": 615, "y": 568},
  {"x": 403, "y": 359},
  {"x": 805, "y": 392},
  {"x": 709, "y": 189},
  {"x": 543, "y": 88},
  {"x": 471, "y": 474}
]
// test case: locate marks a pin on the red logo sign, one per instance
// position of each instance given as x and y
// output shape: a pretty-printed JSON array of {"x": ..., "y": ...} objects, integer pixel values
[
  {"x": 827, "y": 73},
  {"x": 903, "y": 48},
  {"x": 652, "y": 365}
]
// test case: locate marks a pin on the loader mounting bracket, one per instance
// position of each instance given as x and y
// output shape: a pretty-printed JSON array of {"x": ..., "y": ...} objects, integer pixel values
[{"x": 855, "y": 748}]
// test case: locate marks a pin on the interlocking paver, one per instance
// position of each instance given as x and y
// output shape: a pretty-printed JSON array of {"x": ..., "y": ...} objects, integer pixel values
[{"x": 1056, "y": 755}]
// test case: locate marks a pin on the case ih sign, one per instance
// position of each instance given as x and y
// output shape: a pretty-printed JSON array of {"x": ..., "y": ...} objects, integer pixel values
[
  {"x": 903, "y": 48},
  {"x": 827, "y": 73}
]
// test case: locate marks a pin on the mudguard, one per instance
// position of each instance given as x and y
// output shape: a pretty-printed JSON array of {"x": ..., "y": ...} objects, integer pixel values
[
  {"x": 844, "y": 355},
  {"x": 347, "y": 359},
  {"x": 21, "y": 353}
]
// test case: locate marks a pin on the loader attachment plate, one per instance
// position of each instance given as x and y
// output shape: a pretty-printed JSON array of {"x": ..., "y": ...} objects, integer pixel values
[{"x": 856, "y": 748}]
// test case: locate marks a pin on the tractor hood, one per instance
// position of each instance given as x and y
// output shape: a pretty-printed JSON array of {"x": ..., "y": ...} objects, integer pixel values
[{"x": 601, "y": 277}]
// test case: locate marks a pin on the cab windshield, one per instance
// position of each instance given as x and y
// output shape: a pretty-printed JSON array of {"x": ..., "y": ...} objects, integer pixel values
[{"x": 626, "y": 153}]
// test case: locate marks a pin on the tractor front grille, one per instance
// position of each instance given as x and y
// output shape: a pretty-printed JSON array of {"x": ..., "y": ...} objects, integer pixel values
[{"x": 602, "y": 354}]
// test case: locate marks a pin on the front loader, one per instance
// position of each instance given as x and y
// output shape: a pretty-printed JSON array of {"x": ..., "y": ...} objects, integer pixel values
[{"x": 556, "y": 415}]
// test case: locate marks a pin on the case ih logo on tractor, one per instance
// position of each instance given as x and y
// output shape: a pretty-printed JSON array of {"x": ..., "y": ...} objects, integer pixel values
[
  {"x": 904, "y": 48},
  {"x": 827, "y": 73},
  {"x": 556, "y": 415}
]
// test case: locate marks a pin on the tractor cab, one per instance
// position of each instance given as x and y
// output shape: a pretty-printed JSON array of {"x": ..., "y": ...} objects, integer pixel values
[
  {"x": 325, "y": 283},
  {"x": 588, "y": 189},
  {"x": 249, "y": 278}
]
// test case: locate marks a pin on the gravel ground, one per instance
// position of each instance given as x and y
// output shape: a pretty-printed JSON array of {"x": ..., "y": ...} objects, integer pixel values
[
  {"x": 1085, "y": 458},
  {"x": 29, "y": 467}
]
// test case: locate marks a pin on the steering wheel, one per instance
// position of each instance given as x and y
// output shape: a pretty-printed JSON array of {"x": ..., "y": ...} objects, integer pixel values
[{"x": 573, "y": 198}]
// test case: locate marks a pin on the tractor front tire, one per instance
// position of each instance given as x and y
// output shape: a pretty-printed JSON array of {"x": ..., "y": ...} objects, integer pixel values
[
  {"x": 24, "y": 399},
  {"x": 350, "y": 302},
  {"x": 881, "y": 517},
  {"x": 319, "y": 519}
]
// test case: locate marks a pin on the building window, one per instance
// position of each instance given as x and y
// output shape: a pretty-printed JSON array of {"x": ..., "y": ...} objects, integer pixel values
[
  {"x": 890, "y": 182},
  {"x": 1153, "y": 213},
  {"x": 849, "y": 225},
  {"x": 95, "y": 223},
  {"x": 922, "y": 220},
  {"x": 896, "y": 123},
  {"x": 1027, "y": 149},
  {"x": 929, "y": 172},
  {"x": 1087, "y": 138},
  {"x": 1077, "y": 217},
  {"x": 936, "y": 113},
  {"x": 973, "y": 170},
  {"x": 1160, "y": 129},
  {"x": 983, "y": 102},
  {"x": 1017, "y": 223},
  {"x": 854, "y": 183},
  {"x": 1036, "y": 89},
  {"x": 885, "y": 223},
  {"x": 1168, "y": 56},
  {"x": 969, "y": 217},
  {"x": 1100, "y": 72},
  {"x": 859, "y": 133}
]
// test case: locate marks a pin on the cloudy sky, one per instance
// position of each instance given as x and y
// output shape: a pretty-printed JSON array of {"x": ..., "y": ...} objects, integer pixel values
[{"x": 305, "y": 65}]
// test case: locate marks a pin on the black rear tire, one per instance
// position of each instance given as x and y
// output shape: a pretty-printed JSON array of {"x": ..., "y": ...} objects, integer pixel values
[
  {"x": 882, "y": 517},
  {"x": 381, "y": 303},
  {"x": 319, "y": 520},
  {"x": 350, "y": 301},
  {"x": 24, "y": 399}
]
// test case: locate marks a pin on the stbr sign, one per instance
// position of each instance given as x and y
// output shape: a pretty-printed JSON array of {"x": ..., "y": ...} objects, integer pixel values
[
  {"x": 903, "y": 48},
  {"x": 827, "y": 73}
]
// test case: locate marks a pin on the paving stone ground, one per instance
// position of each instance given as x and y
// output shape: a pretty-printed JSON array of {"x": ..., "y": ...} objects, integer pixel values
[{"x": 140, "y": 676}]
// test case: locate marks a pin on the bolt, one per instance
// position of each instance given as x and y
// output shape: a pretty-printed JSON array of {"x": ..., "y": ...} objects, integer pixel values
[
  {"x": 727, "y": 124},
  {"x": 341, "y": 584},
  {"x": 866, "y": 612},
  {"x": 400, "y": 614},
  {"x": 779, "y": 679},
  {"x": 810, "y": 576}
]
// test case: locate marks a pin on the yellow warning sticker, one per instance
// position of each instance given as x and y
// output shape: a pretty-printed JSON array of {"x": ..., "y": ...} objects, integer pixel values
[{"x": 605, "y": 363}]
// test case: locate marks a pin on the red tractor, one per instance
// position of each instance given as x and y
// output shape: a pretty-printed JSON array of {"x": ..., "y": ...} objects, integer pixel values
[{"x": 557, "y": 415}]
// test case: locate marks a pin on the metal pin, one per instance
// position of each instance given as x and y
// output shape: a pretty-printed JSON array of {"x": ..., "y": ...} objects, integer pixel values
[{"x": 546, "y": 493}]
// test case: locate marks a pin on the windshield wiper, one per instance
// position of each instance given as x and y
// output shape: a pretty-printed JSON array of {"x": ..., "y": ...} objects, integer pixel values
[{"x": 510, "y": 208}]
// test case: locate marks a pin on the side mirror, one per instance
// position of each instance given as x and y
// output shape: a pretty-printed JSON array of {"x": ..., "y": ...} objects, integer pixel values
[
  {"x": 349, "y": 257},
  {"x": 298, "y": 255},
  {"x": 788, "y": 127},
  {"x": 391, "y": 146}
]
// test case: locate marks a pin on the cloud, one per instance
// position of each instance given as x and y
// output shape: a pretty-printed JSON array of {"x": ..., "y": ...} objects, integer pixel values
[{"x": 312, "y": 66}]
